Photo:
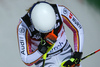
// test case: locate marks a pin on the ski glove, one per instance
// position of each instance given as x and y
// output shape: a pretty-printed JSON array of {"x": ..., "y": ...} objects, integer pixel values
[
  {"x": 74, "y": 61},
  {"x": 47, "y": 41}
]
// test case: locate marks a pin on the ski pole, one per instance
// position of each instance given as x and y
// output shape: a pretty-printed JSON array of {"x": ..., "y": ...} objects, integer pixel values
[
  {"x": 45, "y": 55},
  {"x": 82, "y": 58},
  {"x": 51, "y": 41},
  {"x": 90, "y": 54}
]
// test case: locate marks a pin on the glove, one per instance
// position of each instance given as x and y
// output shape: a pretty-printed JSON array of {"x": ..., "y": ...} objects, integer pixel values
[
  {"x": 74, "y": 61},
  {"x": 47, "y": 41},
  {"x": 43, "y": 46}
]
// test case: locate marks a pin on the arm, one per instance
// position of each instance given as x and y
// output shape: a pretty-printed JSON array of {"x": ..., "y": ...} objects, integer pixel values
[
  {"x": 28, "y": 56},
  {"x": 72, "y": 22}
]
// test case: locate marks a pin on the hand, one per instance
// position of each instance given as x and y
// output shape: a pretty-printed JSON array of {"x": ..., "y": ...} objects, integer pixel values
[
  {"x": 47, "y": 42},
  {"x": 43, "y": 46},
  {"x": 74, "y": 61}
]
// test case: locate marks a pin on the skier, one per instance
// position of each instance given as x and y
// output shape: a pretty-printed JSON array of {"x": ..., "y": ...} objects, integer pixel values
[{"x": 41, "y": 27}]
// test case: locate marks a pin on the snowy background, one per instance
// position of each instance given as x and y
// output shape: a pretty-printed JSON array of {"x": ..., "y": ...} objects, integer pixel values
[{"x": 12, "y": 10}]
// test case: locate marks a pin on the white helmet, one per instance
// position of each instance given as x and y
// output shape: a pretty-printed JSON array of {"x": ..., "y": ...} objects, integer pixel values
[{"x": 43, "y": 17}]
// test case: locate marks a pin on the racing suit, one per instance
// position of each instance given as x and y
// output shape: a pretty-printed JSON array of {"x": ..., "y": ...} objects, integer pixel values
[{"x": 29, "y": 39}]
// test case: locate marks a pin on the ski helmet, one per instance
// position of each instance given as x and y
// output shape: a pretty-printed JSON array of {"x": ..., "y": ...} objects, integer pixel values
[{"x": 43, "y": 17}]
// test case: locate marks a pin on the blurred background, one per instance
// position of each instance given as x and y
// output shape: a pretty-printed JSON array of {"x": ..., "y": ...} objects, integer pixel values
[{"x": 87, "y": 11}]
